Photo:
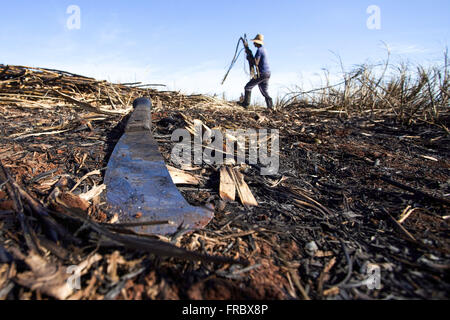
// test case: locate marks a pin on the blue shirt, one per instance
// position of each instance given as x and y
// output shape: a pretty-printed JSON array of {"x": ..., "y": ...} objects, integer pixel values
[{"x": 263, "y": 62}]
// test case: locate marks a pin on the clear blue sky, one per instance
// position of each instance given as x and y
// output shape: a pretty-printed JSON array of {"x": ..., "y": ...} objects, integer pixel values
[{"x": 189, "y": 44}]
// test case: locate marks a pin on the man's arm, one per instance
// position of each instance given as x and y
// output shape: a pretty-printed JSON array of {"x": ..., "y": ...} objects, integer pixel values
[{"x": 257, "y": 57}]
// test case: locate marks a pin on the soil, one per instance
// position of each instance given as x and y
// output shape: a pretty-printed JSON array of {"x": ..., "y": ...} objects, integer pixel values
[{"x": 332, "y": 211}]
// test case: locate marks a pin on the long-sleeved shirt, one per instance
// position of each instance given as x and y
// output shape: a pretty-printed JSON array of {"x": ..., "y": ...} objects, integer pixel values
[{"x": 263, "y": 65}]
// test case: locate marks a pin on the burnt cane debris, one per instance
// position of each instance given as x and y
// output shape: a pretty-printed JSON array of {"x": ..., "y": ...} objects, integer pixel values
[{"x": 353, "y": 199}]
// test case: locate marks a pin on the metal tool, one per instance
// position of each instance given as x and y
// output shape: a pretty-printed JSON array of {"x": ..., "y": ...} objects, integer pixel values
[{"x": 139, "y": 185}]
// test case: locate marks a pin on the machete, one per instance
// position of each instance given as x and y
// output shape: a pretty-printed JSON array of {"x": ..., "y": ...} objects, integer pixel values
[{"x": 138, "y": 185}]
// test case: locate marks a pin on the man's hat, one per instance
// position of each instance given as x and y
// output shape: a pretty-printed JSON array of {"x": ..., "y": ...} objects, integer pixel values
[{"x": 259, "y": 39}]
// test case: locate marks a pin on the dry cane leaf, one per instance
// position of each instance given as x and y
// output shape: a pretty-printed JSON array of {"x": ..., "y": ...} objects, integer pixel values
[{"x": 46, "y": 277}]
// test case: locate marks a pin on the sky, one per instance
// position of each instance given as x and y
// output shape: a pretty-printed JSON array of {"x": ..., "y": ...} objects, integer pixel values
[{"x": 188, "y": 45}]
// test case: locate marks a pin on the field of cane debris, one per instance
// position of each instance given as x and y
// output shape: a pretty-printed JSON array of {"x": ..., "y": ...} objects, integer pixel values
[{"x": 357, "y": 195}]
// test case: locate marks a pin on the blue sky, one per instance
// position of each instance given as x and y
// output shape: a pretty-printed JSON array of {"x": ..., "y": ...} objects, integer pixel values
[{"x": 188, "y": 45}]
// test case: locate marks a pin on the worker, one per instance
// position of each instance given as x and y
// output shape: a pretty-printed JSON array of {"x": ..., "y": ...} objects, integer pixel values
[{"x": 264, "y": 74}]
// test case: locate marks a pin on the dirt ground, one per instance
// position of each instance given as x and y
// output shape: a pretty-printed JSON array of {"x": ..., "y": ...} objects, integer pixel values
[{"x": 353, "y": 194}]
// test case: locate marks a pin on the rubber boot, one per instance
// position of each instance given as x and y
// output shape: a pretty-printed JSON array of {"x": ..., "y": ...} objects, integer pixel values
[
  {"x": 269, "y": 103},
  {"x": 247, "y": 98}
]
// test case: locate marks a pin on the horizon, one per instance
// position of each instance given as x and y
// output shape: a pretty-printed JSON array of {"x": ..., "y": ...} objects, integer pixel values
[{"x": 189, "y": 46}]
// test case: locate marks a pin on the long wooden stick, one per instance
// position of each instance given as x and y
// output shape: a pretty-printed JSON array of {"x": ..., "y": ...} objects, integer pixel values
[{"x": 415, "y": 191}]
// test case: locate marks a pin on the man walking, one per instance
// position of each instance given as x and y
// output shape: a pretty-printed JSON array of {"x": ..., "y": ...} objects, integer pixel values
[{"x": 264, "y": 74}]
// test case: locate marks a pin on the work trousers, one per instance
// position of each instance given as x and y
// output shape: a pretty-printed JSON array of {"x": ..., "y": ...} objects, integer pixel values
[{"x": 262, "y": 82}]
